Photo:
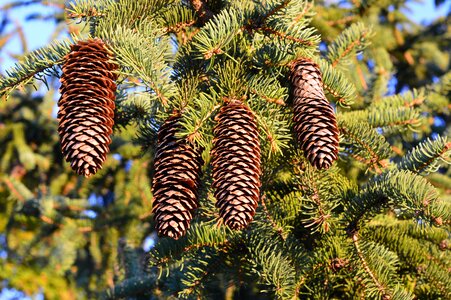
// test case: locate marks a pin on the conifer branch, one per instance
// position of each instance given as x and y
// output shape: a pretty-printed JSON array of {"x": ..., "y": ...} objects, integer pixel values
[
  {"x": 302, "y": 14},
  {"x": 311, "y": 191},
  {"x": 374, "y": 159},
  {"x": 145, "y": 54},
  {"x": 427, "y": 260},
  {"x": 278, "y": 101},
  {"x": 336, "y": 84},
  {"x": 177, "y": 18},
  {"x": 286, "y": 36},
  {"x": 130, "y": 287},
  {"x": 412, "y": 194},
  {"x": 270, "y": 219},
  {"x": 195, "y": 132},
  {"x": 382, "y": 289},
  {"x": 33, "y": 63},
  {"x": 426, "y": 156},
  {"x": 179, "y": 26},
  {"x": 350, "y": 47},
  {"x": 200, "y": 236},
  {"x": 210, "y": 41},
  {"x": 200, "y": 268},
  {"x": 273, "y": 268},
  {"x": 354, "y": 38},
  {"x": 274, "y": 10},
  {"x": 271, "y": 139},
  {"x": 406, "y": 100}
]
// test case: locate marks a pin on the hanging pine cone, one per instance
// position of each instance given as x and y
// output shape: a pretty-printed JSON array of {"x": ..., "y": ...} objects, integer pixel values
[
  {"x": 175, "y": 182},
  {"x": 314, "y": 119},
  {"x": 86, "y": 106},
  {"x": 236, "y": 164}
]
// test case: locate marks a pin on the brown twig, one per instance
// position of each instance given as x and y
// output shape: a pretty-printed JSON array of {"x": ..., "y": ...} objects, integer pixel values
[
  {"x": 341, "y": 21},
  {"x": 283, "y": 35},
  {"x": 202, "y": 10}
]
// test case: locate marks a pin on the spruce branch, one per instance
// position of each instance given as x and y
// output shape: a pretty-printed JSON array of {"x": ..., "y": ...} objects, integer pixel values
[
  {"x": 273, "y": 268},
  {"x": 176, "y": 18},
  {"x": 364, "y": 144},
  {"x": 283, "y": 35},
  {"x": 33, "y": 63},
  {"x": 282, "y": 210},
  {"x": 203, "y": 265},
  {"x": 145, "y": 54},
  {"x": 199, "y": 236},
  {"x": 343, "y": 21},
  {"x": 427, "y": 156},
  {"x": 131, "y": 287},
  {"x": 378, "y": 83},
  {"x": 411, "y": 99},
  {"x": 279, "y": 229},
  {"x": 305, "y": 13},
  {"x": 18, "y": 190},
  {"x": 87, "y": 9},
  {"x": 287, "y": 20},
  {"x": 275, "y": 9},
  {"x": 268, "y": 88},
  {"x": 317, "y": 209},
  {"x": 217, "y": 33},
  {"x": 336, "y": 84},
  {"x": 427, "y": 261},
  {"x": 381, "y": 288},
  {"x": 412, "y": 194},
  {"x": 197, "y": 120},
  {"x": 395, "y": 119},
  {"x": 288, "y": 14},
  {"x": 351, "y": 40}
]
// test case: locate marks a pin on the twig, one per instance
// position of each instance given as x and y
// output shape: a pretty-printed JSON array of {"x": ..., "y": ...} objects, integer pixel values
[
  {"x": 202, "y": 10},
  {"x": 380, "y": 286}
]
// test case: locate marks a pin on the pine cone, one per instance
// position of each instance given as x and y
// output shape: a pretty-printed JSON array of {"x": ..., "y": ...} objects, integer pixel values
[
  {"x": 236, "y": 164},
  {"x": 176, "y": 181},
  {"x": 86, "y": 106},
  {"x": 314, "y": 119}
]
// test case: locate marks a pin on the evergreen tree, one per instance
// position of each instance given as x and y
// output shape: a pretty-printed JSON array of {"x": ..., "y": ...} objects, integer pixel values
[{"x": 225, "y": 143}]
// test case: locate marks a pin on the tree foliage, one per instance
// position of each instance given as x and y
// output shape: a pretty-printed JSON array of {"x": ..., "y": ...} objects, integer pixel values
[{"x": 375, "y": 225}]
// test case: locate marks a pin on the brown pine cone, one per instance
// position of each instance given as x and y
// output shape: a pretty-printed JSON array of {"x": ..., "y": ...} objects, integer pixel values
[
  {"x": 175, "y": 182},
  {"x": 236, "y": 164},
  {"x": 86, "y": 106},
  {"x": 315, "y": 124}
]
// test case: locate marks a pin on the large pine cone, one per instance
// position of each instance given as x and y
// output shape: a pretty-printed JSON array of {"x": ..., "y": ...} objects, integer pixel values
[
  {"x": 86, "y": 106},
  {"x": 236, "y": 164},
  {"x": 314, "y": 119},
  {"x": 175, "y": 182}
]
